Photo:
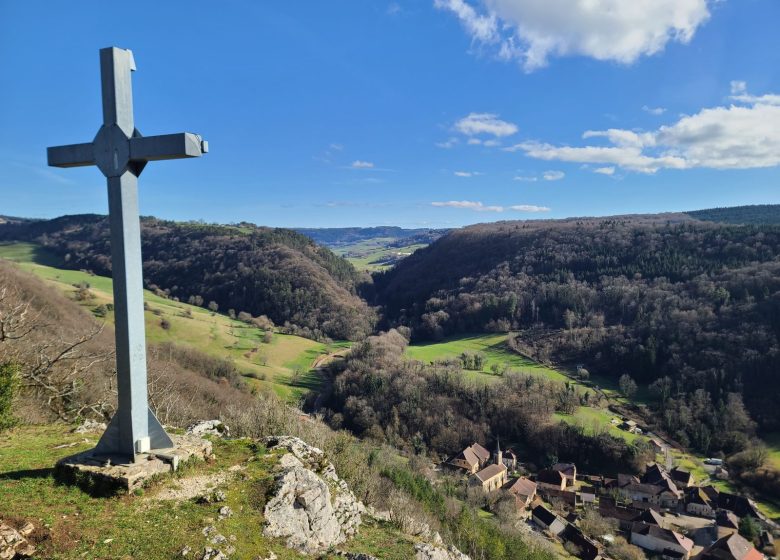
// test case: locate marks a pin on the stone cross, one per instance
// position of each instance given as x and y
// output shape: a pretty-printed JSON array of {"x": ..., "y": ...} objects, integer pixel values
[{"x": 121, "y": 153}]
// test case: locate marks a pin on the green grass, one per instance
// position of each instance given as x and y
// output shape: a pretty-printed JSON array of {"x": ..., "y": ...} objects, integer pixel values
[
  {"x": 773, "y": 444},
  {"x": 285, "y": 365},
  {"x": 495, "y": 349},
  {"x": 593, "y": 420},
  {"x": 74, "y": 525},
  {"x": 364, "y": 254}
]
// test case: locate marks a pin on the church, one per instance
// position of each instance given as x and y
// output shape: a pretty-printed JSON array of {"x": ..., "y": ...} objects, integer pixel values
[{"x": 493, "y": 476}]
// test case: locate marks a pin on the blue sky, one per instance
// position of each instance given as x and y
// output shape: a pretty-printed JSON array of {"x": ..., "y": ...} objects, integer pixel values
[{"x": 424, "y": 113}]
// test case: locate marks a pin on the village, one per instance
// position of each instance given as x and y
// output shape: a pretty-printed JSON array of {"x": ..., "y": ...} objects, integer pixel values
[{"x": 665, "y": 511}]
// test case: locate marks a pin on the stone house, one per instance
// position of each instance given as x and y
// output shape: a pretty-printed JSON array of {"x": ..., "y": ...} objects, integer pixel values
[
  {"x": 547, "y": 520},
  {"x": 524, "y": 492},
  {"x": 493, "y": 476},
  {"x": 699, "y": 502},
  {"x": 568, "y": 470},
  {"x": 551, "y": 478},
  {"x": 669, "y": 544},
  {"x": 471, "y": 459},
  {"x": 731, "y": 547}
]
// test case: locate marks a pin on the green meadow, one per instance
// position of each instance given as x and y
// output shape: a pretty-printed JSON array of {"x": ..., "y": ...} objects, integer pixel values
[
  {"x": 284, "y": 365},
  {"x": 363, "y": 255},
  {"x": 496, "y": 352}
]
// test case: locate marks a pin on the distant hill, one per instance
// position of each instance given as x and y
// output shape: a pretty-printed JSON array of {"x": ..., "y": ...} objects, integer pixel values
[
  {"x": 258, "y": 270},
  {"x": 755, "y": 214},
  {"x": 376, "y": 248},
  {"x": 335, "y": 237}
]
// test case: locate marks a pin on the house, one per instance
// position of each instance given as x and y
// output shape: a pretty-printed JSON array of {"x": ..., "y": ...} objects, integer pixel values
[
  {"x": 700, "y": 502},
  {"x": 681, "y": 477},
  {"x": 740, "y": 505},
  {"x": 625, "y": 516},
  {"x": 731, "y": 547},
  {"x": 551, "y": 478},
  {"x": 588, "y": 549},
  {"x": 471, "y": 459},
  {"x": 493, "y": 476},
  {"x": 547, "y": 520},
  {"x": 568, "y": 470},
  {"x": 670, "y": 544},
  {"x": 630, "y": 426},
  {"x": 524, "y": 491},
  {"x": 549, "y": 493},
  {"x": 650, "y": 493},
  {"x": 726, "y": 523},
  {"x": 587, "y": 494},
  {"x": 651, "y": 517},
  {"x": 657, "y": 445},
  {"x": 510, "y": 460}
]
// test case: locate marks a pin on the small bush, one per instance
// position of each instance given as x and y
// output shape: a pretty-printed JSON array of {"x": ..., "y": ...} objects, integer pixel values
[{"x": 9, "y": 383}]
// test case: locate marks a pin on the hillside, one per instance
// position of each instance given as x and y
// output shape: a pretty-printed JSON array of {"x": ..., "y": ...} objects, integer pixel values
[
  {"x": 756, "y": 214},
  {"x": 663, "y": 299},
  {"x": 268, "y": 360},
  {"x": 262, "y": 271}
]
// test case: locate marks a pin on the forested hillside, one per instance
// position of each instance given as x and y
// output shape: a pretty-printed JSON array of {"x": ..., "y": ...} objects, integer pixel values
[
  {"x": 689, "y": 310},
  {"x": 755, "y": 214},
  {"x": 262, "y": 271}
]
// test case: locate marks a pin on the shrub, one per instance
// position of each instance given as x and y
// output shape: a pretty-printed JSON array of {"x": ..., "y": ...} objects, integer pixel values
[{"x": 9, "y": 383}]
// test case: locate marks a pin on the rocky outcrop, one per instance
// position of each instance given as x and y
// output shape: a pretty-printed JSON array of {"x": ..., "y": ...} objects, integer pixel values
[
  {"x": 208, "y": 428},
  {"x": 426, "y": 551},
  {"x": 311, "y": 506},
  {"x": 13, "y": 542}
]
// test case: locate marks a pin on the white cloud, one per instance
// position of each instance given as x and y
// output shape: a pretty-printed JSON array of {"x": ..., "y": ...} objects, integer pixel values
[
  {"x": 474, "y": 142},
  {"x": 654, "y": 110},
  {"x": 605, "y": 170},
  {"x": 449, "y": 143},
  {"x": 485, "y": 123},
  {"x": 479, "y": 207},
  {"x": 358, "y": 164},
  {"x": 735, "y": 137},
  {"x": 739, "y": 93},
  {"x": 526, "y": 179},
  {"x": 471, "y": 205},
  {"x": 553, "y": 175},
  {"x": 529, "y": 208},
  {"x": 491, "y": 143},
  {"x": 467, "y": 173},
  {"x": 532, "y": 31}
]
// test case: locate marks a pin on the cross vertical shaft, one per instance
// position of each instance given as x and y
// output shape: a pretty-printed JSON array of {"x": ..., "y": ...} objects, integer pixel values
[{"x": 129, "y": 309}]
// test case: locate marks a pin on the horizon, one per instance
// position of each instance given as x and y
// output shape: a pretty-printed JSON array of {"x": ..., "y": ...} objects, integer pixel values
[{"x": 421, "y": 115}]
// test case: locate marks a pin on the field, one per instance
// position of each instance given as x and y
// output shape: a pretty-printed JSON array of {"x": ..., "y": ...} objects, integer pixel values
[
  {"x": 374, "y": 254},
  {"x": 495, "y": 350},
  {"x": 773, "y": 443},
  {"x": 72, "y": 524},
  {"x": 284, "y": 365}
]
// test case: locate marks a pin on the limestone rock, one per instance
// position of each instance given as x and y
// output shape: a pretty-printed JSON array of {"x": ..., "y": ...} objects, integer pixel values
[
  {"x": 90, "y": 426},
  {"x": 426, "y": 551},
  {"x": 208, "y": 428},
  {"x": 13, "y": 543},
  {"x": 312, "y": 507},
  {"x": 356, "y": 555}
]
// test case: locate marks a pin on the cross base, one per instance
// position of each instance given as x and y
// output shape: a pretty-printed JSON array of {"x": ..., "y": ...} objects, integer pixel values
[{"x": 103, "y": 475}]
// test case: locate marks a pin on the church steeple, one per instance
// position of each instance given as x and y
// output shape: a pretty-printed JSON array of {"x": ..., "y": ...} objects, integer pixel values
[{"x": 499, "y": 454}]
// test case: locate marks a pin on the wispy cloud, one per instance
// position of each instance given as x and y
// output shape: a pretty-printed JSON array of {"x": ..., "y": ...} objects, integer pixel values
[
  {"x": 466, "y": 173},
  {"x": 359, "y": 164},
  {"x": 485, "y": 123},
  {"x": 447, "y": 144},
  {"x": 605, "y": 170},
  {"x": 479, "y": 207},
  {"x": 553, "y": 175},
  {"x": 654, "y": 110},
  {"x": 527, "y": 179}
]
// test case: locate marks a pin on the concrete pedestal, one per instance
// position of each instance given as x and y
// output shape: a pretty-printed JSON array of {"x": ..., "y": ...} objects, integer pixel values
[{"x": 104, "y": 474}]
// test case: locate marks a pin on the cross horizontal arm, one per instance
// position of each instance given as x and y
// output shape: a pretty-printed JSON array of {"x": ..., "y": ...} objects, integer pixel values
[
  {"x": 167, "y": 146},
  {"x": 73, "y": 155}
]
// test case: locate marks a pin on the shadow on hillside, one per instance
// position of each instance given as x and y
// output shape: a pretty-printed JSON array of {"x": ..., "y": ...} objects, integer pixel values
[{"x": 27, "y": 473}]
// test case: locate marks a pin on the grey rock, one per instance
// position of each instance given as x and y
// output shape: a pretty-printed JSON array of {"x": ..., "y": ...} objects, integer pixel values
[
  {"x": 225, "y": 512},
  {"x": 311, "y": 506},
  {"x": 13, "y": 543},
  {"x": 208, "y": 428},
  {"x": 90, "y": 426},
  {"x": 427, "y": 551}
]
